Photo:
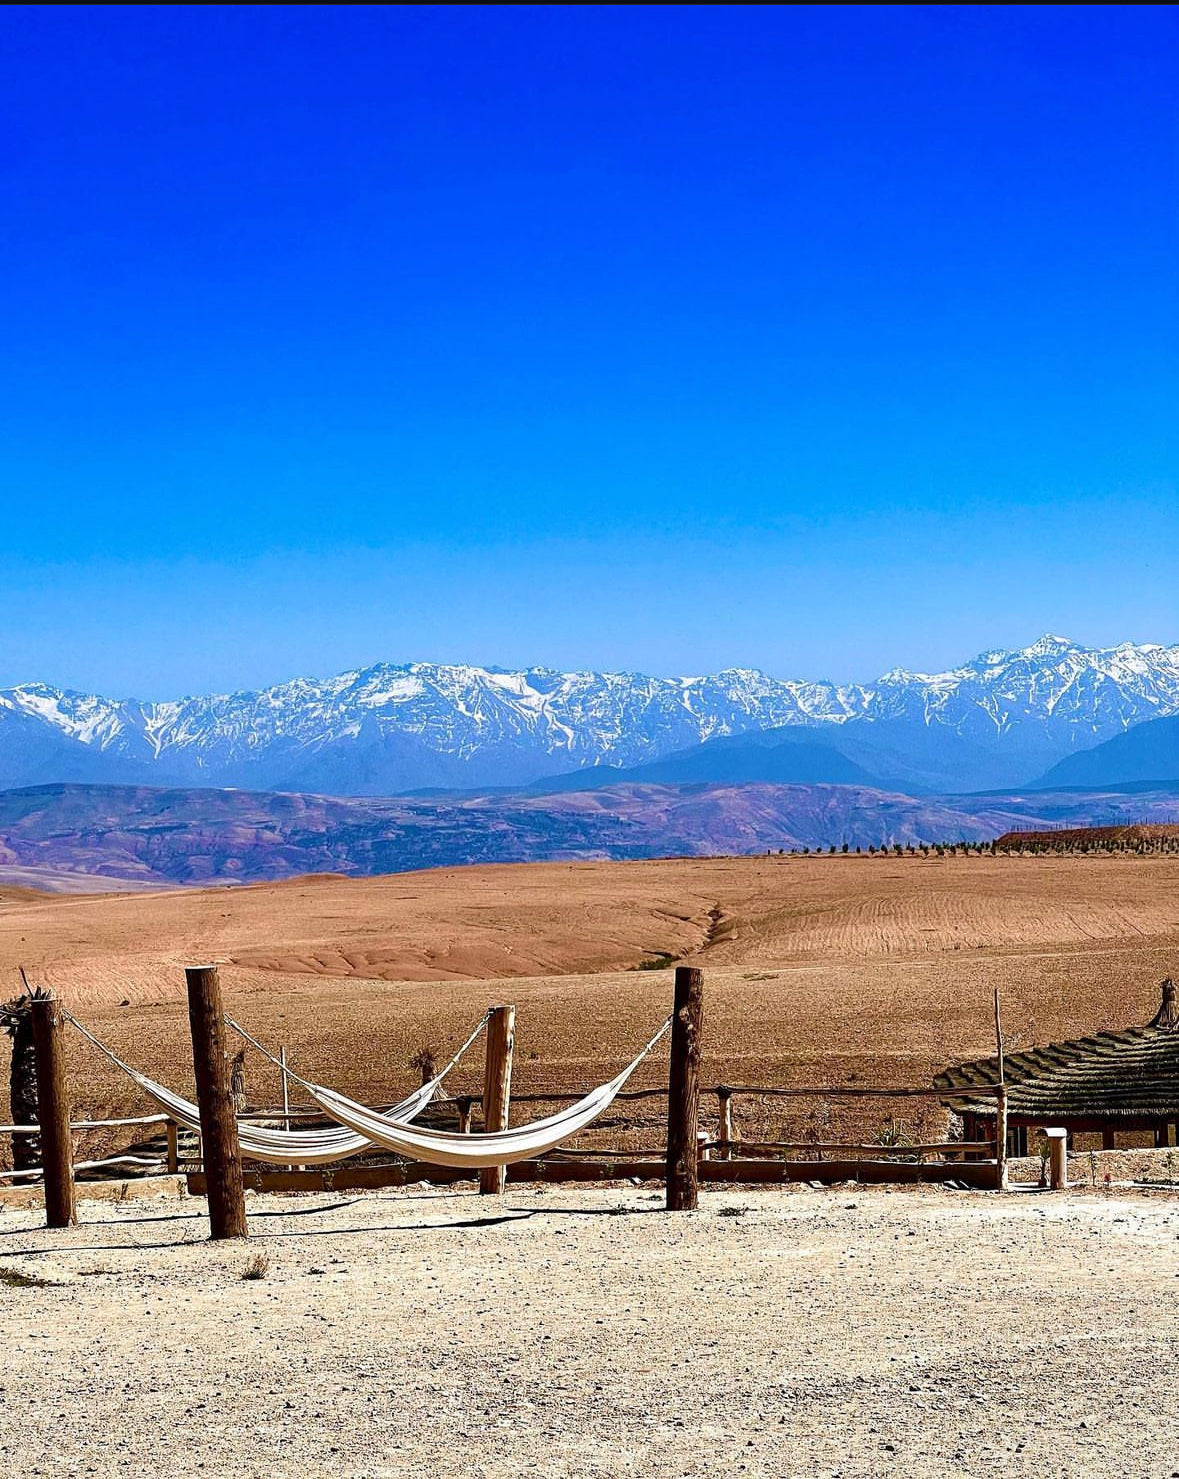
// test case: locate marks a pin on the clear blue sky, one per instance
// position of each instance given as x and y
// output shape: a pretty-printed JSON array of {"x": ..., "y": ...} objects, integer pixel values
[{"x": 818, "y": 340}]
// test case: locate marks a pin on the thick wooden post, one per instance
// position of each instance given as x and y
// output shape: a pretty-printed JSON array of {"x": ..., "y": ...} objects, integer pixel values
[
  {"x": 683, "y": 1089},
  {"x": 220, "y": 1149},
  {"x": 497, "y": 1088},
  {"x": 172, "y": 1131},
  {"x": 1001, "y": 1136},
  {"x": 53, "y": 1112},
  {"x": 1057, "y": 1159}
]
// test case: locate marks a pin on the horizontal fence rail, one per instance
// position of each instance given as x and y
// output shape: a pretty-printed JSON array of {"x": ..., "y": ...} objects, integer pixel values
[{"x": 728, "y": 1155}]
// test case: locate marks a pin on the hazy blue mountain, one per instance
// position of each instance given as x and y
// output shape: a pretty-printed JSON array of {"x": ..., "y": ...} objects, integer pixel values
[
  {"x": 784, "y": 756},
  {"x": 996, "y": 721},
  {"x": 1148, "y": 752}
]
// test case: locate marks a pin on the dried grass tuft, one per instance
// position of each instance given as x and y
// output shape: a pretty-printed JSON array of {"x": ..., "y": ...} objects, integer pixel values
[{"x": 17, "y": 1278}]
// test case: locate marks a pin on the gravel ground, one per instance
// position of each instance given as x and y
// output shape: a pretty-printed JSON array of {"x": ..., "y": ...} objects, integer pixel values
[{"x": 581, "y": 1332}]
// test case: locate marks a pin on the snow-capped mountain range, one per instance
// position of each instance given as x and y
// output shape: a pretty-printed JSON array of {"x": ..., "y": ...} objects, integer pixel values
[{"x": 999, "y": 720}]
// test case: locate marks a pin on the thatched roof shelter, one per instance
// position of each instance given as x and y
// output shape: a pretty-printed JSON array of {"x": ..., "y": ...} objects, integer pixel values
[{"x": 1126, "y": 1080}]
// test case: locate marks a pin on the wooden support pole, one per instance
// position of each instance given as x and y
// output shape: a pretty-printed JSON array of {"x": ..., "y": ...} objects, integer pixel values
[
  {"x": 1001, "y": 1136},
  {"x": 683, "y": 1089},
  {"x": 53, "y": 1112},
  {"x": 220, "y": 1149},
  {"x": 727, "y": 1133},
  {"x": 286, "y": 1099},
  {"x": 1057, "y": 1159},
  {"x": 463, "y": 1105},
  {"x": 497, "y": 1088},
  {"x": 173, "y": 1133},
  {"x": 286, "y": 1089}
]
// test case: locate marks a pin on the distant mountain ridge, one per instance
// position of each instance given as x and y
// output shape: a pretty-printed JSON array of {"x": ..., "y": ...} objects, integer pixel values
[
  {"x": 998, "y": 720},
  {"x": 63, "y": 835},
  {"x": 790, "y": 755},
  {"x": 1148, "y": 752}
]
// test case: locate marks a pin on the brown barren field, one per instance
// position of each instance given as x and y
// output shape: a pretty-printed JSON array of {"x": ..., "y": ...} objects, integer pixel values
[{"x": 820, "y": 971}]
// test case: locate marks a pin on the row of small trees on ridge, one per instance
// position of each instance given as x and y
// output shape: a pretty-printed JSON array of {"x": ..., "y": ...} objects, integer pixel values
[{"x": 1028, "y": 847}]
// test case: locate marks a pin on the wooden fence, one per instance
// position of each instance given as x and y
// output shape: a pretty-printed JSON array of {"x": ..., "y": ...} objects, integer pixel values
[
  {"x": 688, "y": 1155},
  {"x": 725, "y": 1156}
]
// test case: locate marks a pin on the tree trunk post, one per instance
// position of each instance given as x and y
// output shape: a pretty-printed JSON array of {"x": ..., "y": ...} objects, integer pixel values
[
  {"x": 683, "y": 1089},
  {"x": 497, "y": 1088},
  {"x": 1001, "y": 1136},
  {"x": 220, "y": 1149},
  {"x": 53, "y": 1113}
]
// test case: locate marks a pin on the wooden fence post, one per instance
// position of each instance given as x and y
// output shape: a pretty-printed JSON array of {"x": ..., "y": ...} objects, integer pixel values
[
  {"x": 1001, "y": 1136},
  {"x": 727, "y": 1133},
  {"x": 286, "y": 1089},
  {"x": 1057, "y": 1159},
  {"x": 683, "y": 1089},
  {"x": 172, "y": 1130},
  {"x": 53, "y": 1112},
  {"x": 497, "y": 1088},
  {"x": 219, "y": 1144}
]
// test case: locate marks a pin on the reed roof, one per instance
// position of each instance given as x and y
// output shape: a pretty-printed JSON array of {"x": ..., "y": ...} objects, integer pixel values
[{"x": 1132, "y": 1074}]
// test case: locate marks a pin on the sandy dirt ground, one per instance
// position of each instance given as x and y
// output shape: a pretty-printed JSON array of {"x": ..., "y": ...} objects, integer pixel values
[
  {"x": 583, "y": 1332},
  {"x": 825, "y": 971},
  {"x": 563, "y": 919}
]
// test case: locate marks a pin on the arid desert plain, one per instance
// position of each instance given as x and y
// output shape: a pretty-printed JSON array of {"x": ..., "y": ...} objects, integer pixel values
[
  {"x": 818, "y": 970},
  {"x": 580, "y": 1330}
]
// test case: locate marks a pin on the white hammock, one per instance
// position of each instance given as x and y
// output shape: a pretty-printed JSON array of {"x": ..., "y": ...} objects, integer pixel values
[
  {"x": 281, "y": 1147},
  {"x": 475, "y": 1152}
]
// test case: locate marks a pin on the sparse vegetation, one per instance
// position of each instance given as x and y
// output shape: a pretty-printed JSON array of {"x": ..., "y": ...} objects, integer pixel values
[
  {"x": 893, "y": 1133},
  {"x": 257, "y": 1266},
  {"x": 17, "y": 1022},
  {"x": 19, "y": 1278},
  {"x": 424, "y": 1063}
]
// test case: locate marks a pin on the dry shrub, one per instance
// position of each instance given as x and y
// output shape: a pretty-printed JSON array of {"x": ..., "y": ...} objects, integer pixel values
[{"x": 257, "y": 1266}]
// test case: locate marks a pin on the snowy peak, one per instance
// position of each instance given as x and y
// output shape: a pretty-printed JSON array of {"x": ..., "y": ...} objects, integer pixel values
[
  {"x": 999, "y": 719},
  {"x": 1050, "y": 646}
]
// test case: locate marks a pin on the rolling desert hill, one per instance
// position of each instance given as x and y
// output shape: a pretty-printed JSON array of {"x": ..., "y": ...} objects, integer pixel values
[{"x": 819, "y": 970}]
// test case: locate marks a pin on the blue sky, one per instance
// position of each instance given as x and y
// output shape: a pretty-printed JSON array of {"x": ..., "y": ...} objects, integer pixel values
[{"x": 817, "y": 340}]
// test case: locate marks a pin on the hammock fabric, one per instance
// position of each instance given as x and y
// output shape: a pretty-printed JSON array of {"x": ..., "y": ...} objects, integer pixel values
[
  {"x": 280, "y": 1147},
  {"x": 284, "y": 1147},
  {"x": 475, "y": 1152}
]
